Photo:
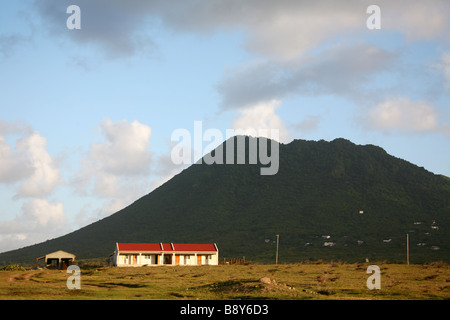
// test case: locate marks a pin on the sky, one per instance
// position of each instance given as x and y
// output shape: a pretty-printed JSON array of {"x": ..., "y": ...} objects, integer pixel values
[{"x": 87, "y": 114}]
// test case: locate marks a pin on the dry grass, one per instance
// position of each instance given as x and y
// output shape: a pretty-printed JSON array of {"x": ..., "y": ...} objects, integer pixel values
[{"x": 290, "y": 281}]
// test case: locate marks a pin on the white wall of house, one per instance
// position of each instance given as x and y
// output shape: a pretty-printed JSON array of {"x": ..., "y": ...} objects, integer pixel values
[
  {"x": 134, "y": 258},
  {"x": 213, "y": 259},
  {"x": 145, "y": 258}
]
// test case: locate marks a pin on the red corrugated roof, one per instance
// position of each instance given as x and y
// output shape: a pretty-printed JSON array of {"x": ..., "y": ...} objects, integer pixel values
[
  {"x": 167, "y": 247},
  {"x": 194, "y": 247},
  {"x": 139, "y": 247}
]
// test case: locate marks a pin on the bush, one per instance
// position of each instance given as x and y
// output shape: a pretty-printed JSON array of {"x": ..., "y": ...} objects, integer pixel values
[{"x": 13, "y": 267}]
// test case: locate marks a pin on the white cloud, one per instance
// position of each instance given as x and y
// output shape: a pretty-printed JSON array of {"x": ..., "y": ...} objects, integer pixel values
[
  {"x": 125, "y": 150},
  {"x": 44, "y": 213},
  {"x": 403, "y": 115},
  {"x": 281, "y": 30},
  {"x": 261, "y": 118},
  {"x": 286, "y": 30},
  {"x": 343, "y": 70},
  {"x": 28, "y": 164},
  {"x": 13, "y": 165},
  {"x": 113, "y": 27},
  {"x": 39, "y": 220},
  {"x": 33, "y": 172},
  {"x": 117, "y": 168},
  {"x": 418, "y": 20},
  {"x": 14, "y": 127},
  {"x": 45, "y": 173}
]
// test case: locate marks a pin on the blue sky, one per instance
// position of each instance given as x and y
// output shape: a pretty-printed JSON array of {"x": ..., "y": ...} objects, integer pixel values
[{"x": 86, "y": 116}]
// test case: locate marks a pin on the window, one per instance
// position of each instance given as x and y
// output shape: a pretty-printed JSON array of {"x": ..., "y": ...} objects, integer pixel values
[{"x": 125, "y": 259}]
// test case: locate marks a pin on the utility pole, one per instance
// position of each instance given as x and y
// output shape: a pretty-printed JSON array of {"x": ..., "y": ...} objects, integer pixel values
[
  {"x": 407, "y": 248},
  {"x": 276, "y": 259}
]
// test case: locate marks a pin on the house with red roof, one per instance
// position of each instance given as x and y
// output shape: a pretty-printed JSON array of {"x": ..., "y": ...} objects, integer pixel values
[{"x": 152, "y": 254}]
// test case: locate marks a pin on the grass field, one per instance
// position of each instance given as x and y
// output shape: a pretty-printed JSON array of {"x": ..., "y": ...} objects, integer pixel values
[{"x": 226, "y": 282}]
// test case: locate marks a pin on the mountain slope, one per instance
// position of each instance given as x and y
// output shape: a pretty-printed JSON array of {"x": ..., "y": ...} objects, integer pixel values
[{"x": 313, "y": 203}]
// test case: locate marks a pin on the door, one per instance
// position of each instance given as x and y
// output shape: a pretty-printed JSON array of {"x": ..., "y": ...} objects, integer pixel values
[
  {"x": 177, "y": 259},
  {"x": 199, "y": 259}
]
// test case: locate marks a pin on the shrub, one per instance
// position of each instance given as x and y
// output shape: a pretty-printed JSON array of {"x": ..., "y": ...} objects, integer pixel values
[{"x": 13, "y": 267}]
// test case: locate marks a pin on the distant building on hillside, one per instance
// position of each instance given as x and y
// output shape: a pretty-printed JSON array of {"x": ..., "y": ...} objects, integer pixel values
[
  {"x": 141, "y": 254},
  {"x": 57, "y": 260}
]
